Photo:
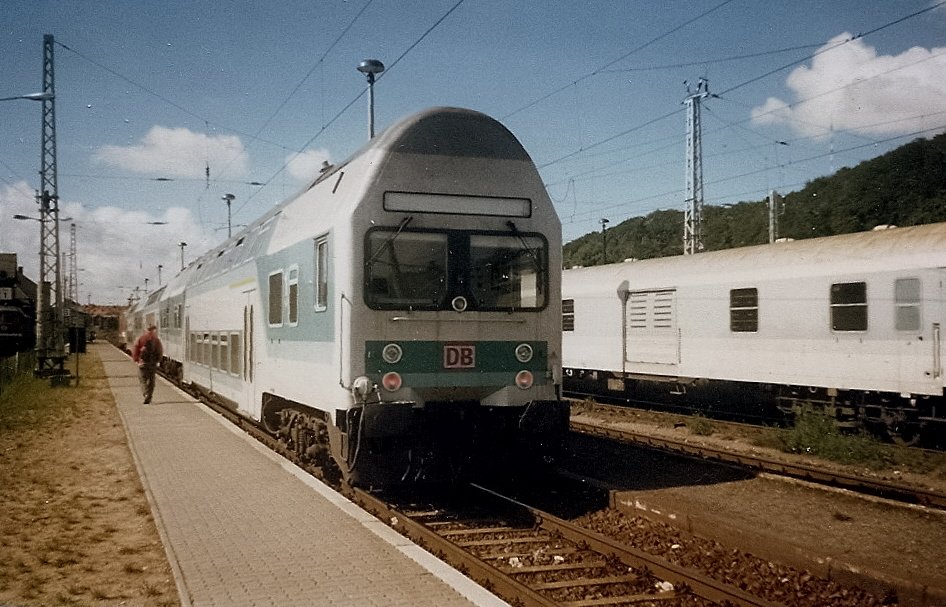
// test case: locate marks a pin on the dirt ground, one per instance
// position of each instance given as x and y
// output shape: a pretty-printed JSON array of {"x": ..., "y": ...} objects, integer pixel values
[{"x": 76, "y": 527}]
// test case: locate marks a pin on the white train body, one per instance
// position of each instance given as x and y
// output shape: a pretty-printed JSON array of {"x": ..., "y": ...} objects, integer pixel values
[
  {"x": 854, "y": 321},
  {"x": 410, "y": 283}
]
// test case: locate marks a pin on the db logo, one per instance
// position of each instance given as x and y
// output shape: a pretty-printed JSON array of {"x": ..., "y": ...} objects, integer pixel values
[{"x": 459, "y": 356}]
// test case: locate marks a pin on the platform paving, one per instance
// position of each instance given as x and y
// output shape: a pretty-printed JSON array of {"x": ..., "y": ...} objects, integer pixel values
[{"x": 242, "y": 526}]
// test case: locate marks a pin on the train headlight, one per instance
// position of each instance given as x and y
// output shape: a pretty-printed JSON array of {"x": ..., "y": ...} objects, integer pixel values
[
  {"x": 392, "y": 353},
  {"x": 361, "y": 387},
  {"x": 523, "y": 353},
  {"x": 391, "y": 381},
  {"x": 524, "y": 379}
]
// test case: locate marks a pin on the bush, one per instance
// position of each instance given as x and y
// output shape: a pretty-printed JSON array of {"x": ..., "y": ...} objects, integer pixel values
[{"x": 817, "y": 434}]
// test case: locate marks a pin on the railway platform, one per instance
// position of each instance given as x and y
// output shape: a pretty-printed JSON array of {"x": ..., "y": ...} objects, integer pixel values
[{"x": 242, "y": 526}]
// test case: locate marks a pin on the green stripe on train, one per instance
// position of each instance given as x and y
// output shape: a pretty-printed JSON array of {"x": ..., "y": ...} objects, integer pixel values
[{"x": 496, "y": 359}]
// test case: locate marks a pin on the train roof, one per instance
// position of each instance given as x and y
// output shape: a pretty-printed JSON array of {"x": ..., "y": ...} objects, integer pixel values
[
  {"x": 440, "y": 131},
  {"x": 889, "y": 249}
]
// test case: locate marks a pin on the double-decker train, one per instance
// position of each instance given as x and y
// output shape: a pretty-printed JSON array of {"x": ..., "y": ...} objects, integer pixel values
[
  {"x": 398, "y": 318},
  {"x": 851, "y": 325}
]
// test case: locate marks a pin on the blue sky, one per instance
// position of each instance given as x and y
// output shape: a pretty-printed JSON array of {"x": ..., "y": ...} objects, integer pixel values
[{"x": 264, "y": 91}]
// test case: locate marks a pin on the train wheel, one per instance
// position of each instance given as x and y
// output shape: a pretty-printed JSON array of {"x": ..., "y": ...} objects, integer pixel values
[{"x": 905, "y": 435}]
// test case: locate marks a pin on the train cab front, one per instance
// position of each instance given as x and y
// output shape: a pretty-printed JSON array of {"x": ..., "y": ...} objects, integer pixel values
[{"x": 468, "y": 369}]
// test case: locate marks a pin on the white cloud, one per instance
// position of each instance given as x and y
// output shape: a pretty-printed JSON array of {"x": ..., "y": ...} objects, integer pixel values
[
  {"x": 306, "y": 166},
  {"x": 115, "y": 248},
  {"x": 178, "y": 152},
  {"x": 852, "y": 88}
]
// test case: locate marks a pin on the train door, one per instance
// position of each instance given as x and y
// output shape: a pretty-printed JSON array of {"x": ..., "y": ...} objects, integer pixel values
[
  {"x": 651, "y": 327},
  {"x": 249, "y": 356}
]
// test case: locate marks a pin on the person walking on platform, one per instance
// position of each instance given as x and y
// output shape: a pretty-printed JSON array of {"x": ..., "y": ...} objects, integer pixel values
[{"x": 147, "y": 352}]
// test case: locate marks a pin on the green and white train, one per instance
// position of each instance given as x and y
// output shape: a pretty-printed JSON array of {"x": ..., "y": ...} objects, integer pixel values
[{"x": 400, "y": 318}]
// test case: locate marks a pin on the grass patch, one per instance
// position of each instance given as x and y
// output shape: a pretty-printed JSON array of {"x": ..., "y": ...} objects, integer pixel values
[
  {"x": 700, "y": 426},
  {"x": 818, "y": 435}
]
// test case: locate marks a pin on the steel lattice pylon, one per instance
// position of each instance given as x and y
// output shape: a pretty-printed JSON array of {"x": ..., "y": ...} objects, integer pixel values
[
  {"x": 50, "y": 346},
  {"x": 693, "y": 205}
]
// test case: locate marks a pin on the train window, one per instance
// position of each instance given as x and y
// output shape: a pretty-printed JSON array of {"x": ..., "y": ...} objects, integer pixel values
[
  {"x": 507, "y": 272},
  {"x": 275, "y": 299},
  {"x": 849, "y": 306},
  {"x": 223, "y": 361},
  {"x": 294, "y": 296},
  {"x": 215, "y": 351},
  {"x": 193, "y": 348},
  {"x": 321, "y": 273},
  {"x": 406, "y": 269},
  {"x": 236, "y": 354},
  {"x": 907, "y": 304},
  {"x": 568, "y": 315},
  {"x": 744, "y": 310}
]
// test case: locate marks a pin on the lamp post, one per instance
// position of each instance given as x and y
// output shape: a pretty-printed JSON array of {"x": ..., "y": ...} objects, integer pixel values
[
  {"x": 229, "y": 198},
  {"x": 370, "y": 67},
  {"x": 182, "y": 244},
  {"x": 604, "y": 238}
]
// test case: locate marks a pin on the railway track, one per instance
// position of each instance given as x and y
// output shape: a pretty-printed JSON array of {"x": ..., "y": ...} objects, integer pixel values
[
  {"x": 534, "y": 559},
  {"x": 860, "y": 484}
]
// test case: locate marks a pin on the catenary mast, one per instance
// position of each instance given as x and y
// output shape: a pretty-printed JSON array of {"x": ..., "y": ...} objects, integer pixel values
[{"x": 693, "y": 209}]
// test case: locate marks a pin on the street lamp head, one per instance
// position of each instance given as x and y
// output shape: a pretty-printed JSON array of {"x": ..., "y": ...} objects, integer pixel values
[
  {"x": 370, "y": 67},
  {"x": 44, "y": 96},
  {"x": 32, "y": 97},
  {"x": 18, "y": 216},
  {"x": 229, "y": 198}
]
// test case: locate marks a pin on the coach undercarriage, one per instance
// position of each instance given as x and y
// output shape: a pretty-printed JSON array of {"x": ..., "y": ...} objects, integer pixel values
[
  {"x": 380, "y": 444},
  {"x": 906, "y": 419}
]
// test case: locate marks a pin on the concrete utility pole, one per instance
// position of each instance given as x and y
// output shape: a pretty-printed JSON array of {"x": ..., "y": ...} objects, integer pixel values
[
  {"x": 774, "y": 200},
  {"x": 73, "y": 290},
  {"x": 229, "y": 198},
  {"x": 693, "y": 205},
  {"x": 50, "y": 346}
]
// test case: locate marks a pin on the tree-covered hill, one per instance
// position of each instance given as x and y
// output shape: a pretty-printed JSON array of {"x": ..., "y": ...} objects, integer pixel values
[{"x": 906, "y": 186}]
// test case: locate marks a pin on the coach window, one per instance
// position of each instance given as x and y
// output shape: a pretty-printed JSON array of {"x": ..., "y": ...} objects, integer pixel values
[
  {"x": 907, "y": 304},
  {"x": 568, "y": 315},
  {"x": 294, "y": 296},
  {"x": 205, "y": 350},
  {"x": 744, "y": 310},
  {"x": 275, "y": 299},
  {"x": 236, "y": 354},
  {"x": 321, "y": 273},
  {"x": 849, "y": 306},
  {"x": 223, "y": 362}
]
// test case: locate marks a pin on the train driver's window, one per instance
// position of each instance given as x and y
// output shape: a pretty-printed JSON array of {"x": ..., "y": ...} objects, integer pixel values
[
  {"x": 849, "y": 306},
  {"x": 907, "y": 304}
]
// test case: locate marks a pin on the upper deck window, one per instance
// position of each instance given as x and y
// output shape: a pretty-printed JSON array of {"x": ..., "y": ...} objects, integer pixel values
[
  {"x": 425, "y": 270},
  {"x": 849, "y": 306}
]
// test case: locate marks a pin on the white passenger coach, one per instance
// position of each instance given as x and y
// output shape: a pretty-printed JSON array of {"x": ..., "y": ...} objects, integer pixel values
[{"x": 851, "y": 323}]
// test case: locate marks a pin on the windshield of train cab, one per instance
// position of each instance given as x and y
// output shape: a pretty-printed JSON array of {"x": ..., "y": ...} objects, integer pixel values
[{"x": 425, "y": 270}]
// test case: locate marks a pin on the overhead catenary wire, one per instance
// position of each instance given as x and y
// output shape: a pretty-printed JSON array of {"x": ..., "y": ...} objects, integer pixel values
[{"x": 347, "y": 106}]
